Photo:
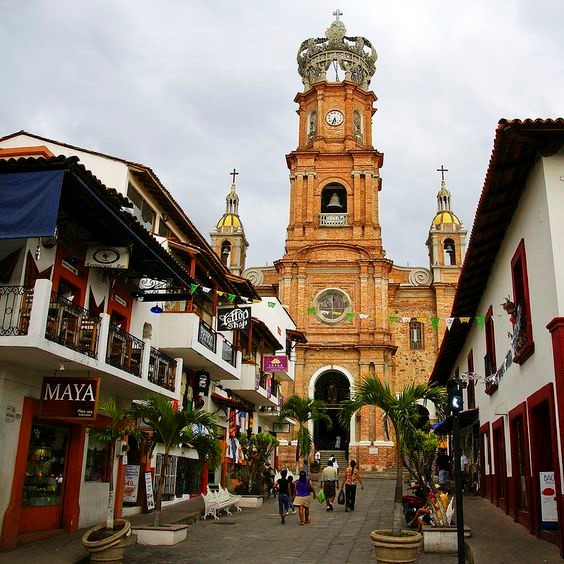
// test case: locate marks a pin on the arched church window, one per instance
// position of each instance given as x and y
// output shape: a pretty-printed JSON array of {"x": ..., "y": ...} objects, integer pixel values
[
  {"x": 225, "y": 252},
  {"x": 311, "y": 126},
  {"x": 415, "y": 334},
  {"x": 449, "y": 252}
]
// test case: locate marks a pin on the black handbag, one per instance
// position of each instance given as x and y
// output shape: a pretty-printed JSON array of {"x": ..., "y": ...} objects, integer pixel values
[{"x": 341, "y": 498}]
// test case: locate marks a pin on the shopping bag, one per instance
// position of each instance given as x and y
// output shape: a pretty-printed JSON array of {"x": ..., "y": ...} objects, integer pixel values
[
  {"x": 341, "y": 498},
  {"x": 321, "y": 496}
]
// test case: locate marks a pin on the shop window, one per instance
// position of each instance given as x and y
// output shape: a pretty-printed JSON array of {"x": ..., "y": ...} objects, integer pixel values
[
  {"x": 522, "y": 339},
  {"x": 96, "y": 467},
  {"x": 415, "y": 334},
  {"x": 490, "y": 365}
]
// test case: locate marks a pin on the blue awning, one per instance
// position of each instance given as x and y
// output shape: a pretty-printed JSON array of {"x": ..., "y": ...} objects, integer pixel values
[{"x": 29, "y": 203}]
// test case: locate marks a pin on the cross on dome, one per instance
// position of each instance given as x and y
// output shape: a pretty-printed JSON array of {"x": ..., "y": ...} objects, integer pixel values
[
  {"x": 442, "y": 170},
  {"x": 234, "y": 173},
  {"x": 337, "y": 13}
]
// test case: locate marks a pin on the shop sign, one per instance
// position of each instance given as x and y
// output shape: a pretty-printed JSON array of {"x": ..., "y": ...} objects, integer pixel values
[
  {"x": 69, "y": 398},
  {"x": 549, "y": 513},
  {"x": 107, "y": 257},
  {"x": 149, "y": 491},
  {"x": 229, "y": 319},
  {"x": 275, "y": 363},
  {"x": 131, "y": 483}
]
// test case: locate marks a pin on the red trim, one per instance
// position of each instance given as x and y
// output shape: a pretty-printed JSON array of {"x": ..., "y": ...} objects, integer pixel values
[
  {"x": 486, "y": 489},
  {"x": 62, "y": 273},
  {"x": 71, "y": 509},
  {"x": 520, "y": 281},
  {"x": 519, "y": 413},
  {"x": 544, "y": 452},
  {"x": 500, "y": 465}
]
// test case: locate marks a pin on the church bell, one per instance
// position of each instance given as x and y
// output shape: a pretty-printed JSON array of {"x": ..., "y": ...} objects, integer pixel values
[{"x": 335, "y": 201}]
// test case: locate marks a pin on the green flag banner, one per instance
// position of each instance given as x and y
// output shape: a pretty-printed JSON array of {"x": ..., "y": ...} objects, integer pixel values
[{"x": 435, "y": 323}]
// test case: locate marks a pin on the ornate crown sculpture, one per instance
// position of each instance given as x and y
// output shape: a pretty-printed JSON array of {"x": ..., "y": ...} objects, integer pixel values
[{"x": 354, "y": 55}]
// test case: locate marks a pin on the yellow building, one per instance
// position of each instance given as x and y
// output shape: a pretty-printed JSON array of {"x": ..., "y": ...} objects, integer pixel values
[{"x": 362, "y": 315}]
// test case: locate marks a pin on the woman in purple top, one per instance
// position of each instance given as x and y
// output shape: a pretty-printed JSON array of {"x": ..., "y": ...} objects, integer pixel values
[{"x": 304, "y": 489}]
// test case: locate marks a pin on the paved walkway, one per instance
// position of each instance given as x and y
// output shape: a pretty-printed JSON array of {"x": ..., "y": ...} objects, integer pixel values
[{"x": 256, "y": 535}]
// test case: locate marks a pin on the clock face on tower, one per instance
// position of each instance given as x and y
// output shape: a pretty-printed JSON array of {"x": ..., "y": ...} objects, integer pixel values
[{"x": 334, "y": 117}]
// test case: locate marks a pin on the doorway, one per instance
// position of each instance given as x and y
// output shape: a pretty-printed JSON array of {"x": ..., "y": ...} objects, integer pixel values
[{"x": 333, "y": 388}]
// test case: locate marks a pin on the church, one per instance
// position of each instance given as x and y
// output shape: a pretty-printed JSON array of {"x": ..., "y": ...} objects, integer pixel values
[{"x": 361, "y": 314}]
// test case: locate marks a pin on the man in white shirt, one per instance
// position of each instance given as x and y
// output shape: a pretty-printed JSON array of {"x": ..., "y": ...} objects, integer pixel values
[{"x": 329, "y": 483}]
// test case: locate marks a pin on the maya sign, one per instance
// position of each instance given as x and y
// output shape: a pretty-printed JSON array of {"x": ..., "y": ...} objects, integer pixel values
[
  {"x": 275, "y": 363},
  {"x": 69, "y": 398},
  {"x": 233, "y": 318}
]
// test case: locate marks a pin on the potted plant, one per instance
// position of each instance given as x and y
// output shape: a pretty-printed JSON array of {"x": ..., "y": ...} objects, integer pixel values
[
  {"x": 394, "y": 544},
  {"x": 107, "y": 541},
  {"x": 171, "y": 427},
  {"x": 304, "y": 410}
]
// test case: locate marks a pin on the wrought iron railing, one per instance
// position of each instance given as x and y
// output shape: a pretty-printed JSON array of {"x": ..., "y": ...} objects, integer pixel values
[
  {"x": 162, "y": 369},
  {"x": 72, "y": 326},
  {"x": 124, "y": 351},
  {"x": 333, "y": 219},
  {"x": 207, "y": 336},
  {"x": 15, "y": 310},
  {"x": 229, "y": 353}
]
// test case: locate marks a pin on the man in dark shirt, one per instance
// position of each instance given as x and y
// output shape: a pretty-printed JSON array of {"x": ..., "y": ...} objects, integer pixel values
[{"x": 283, "y": 495}]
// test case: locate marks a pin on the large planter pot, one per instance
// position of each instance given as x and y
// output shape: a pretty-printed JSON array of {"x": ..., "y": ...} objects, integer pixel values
[
  {"x": 442, "y": 539},
  {"x": 107, "y": 546},
  {"x": 389, "y": 549}
]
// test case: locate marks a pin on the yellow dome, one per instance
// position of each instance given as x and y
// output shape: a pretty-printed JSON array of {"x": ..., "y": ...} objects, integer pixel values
[
  {"x": 446, "y": 217},
  {"x": 229, "y": 220}
]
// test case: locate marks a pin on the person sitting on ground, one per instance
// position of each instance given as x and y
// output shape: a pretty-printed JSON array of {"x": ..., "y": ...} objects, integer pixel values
[
  {"x": 283, "y": 495},
  {"x": 329, "y": 483},
  {"x": 304, "y": 489}
]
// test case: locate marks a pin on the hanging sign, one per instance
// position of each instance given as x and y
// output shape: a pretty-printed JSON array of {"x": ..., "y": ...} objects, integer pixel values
[
  {"x": 69, "y": 398},
  {"x": 149, "y": 491},
  {"x": 549, "y": 513},
  {"x": 229, "y": 319},
  {"x": 275, "y": 363},
  {"x": 107, "y": 257},
  {"x": 131, "y": 483}
]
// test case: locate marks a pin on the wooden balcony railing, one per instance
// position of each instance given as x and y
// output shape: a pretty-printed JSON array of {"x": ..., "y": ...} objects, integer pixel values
[
  {"x": 72, "y": 326},
  {"x": 124, "y": 351},
  {"x": 15, "y": 310},
  {"x": 162, "y": 369}
]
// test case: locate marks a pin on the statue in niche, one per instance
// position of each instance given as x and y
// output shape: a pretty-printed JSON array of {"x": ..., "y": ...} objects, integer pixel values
[
  {"x": 312, "y": 126},
  {"x": 357, "y": 126},
  {"x": 331, "y": 393}
]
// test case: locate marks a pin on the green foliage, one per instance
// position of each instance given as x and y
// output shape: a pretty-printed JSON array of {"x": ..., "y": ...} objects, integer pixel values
[
  {"x": 257, "y": 450},
  {"x": 402, "y": 411},
  {"x": 171, "y": 427},
  {"x": 304, "y": 410}
]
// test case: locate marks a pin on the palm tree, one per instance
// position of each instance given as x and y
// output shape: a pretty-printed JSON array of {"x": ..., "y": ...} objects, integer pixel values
[
  {"x": 402, "y": 411},
  {"x": 171, "y": 427},
  {"x": 304, "y": 410},
  {"x": 111, "y": 433}
]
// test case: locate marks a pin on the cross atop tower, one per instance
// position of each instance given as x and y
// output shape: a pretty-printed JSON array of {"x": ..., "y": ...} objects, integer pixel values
[
  {"x": 337, "y": 13},
  {"x": 442, "y": 170},
  {"x": 233, "y": 174}
]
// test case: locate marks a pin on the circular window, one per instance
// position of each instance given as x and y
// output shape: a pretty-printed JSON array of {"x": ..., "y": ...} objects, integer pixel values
[{"x": 332, "y": 305}]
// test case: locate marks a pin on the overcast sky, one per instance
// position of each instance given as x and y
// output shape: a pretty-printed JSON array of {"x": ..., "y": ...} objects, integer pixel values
[{"x": 194, "y": 88}]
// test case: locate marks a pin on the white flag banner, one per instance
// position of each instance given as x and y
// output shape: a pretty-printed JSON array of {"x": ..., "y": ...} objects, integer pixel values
[{"x": 449, "y": 321}]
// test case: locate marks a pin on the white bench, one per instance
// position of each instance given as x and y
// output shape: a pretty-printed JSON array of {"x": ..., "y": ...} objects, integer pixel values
[{"x": 221, "y": 500}]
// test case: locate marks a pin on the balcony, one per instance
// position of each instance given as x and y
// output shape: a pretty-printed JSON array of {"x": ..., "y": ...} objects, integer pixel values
[
  {"x": 44, "y": 331},
  {"x": 333, "y": 220},
  {"x": 190, "y": 338},
  {"x": 255, "y": 386}
]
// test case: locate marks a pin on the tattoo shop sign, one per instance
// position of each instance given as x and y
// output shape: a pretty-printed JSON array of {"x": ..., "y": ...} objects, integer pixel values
[
  {"x": 69, "y": 398},
  {"x": 233, "y": 318}
]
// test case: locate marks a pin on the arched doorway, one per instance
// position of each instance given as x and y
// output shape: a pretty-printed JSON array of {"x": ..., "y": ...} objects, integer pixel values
[{"x": 332, "y": 387}]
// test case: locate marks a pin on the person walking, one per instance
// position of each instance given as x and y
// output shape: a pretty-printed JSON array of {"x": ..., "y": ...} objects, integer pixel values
[
  {"x": 292, "y": 489},
  {"x": 304, "y": 489},
  {"x": 352, "y": 476},
  {"x": 283, "y": 495},
  {"x": 443, "y": 466},
  {"x": 329, "y": 483}
]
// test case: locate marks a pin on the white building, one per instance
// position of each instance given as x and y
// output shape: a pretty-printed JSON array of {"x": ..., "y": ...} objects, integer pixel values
[{"x": 506, "y": 342}]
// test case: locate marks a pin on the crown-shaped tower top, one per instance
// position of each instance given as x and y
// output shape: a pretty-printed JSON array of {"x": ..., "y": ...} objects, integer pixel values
[{"x": 355, "y": 56}]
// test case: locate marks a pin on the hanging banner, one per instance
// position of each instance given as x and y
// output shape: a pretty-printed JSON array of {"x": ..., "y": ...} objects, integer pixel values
[
  {"x": 229, "y": 319},
  {"x": 549, "y": 513},
  {"x": 149, "y": 491},
  {"x": 107, "y": 257},
  {"x": 275, "y": 363},
  {"x": 131, "y": 483}
]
